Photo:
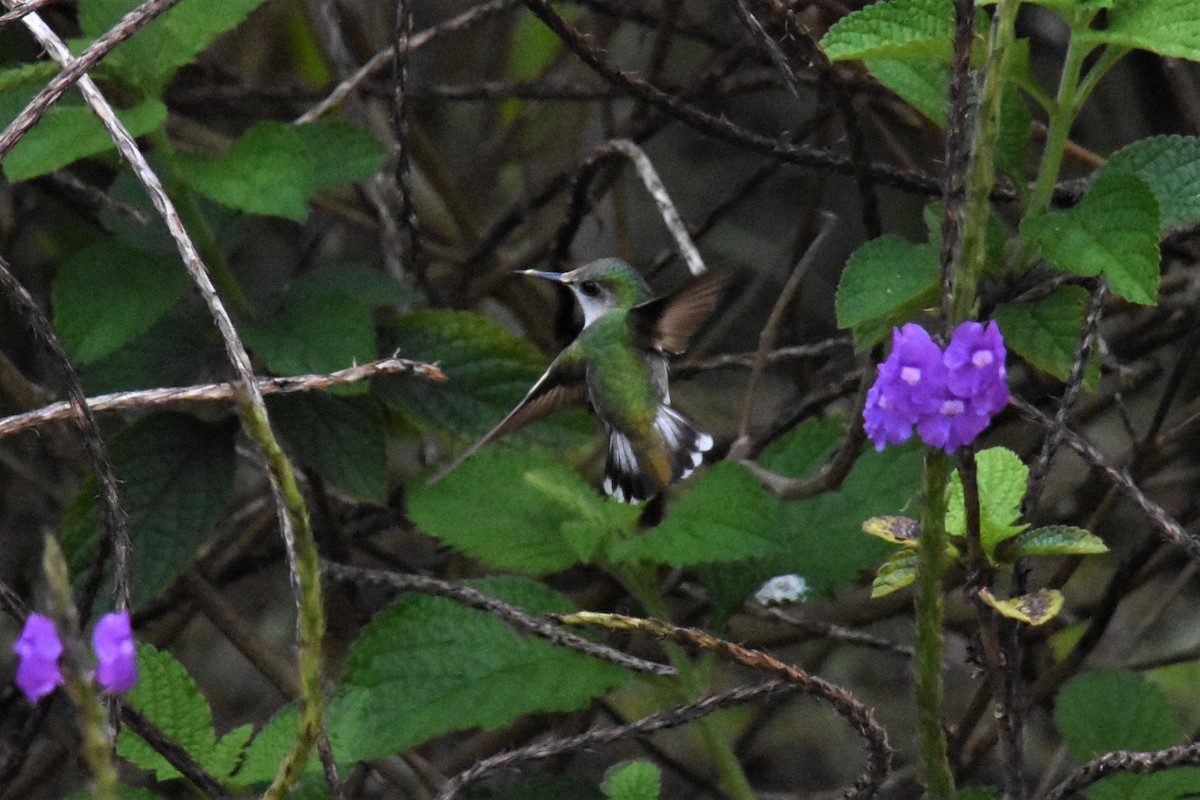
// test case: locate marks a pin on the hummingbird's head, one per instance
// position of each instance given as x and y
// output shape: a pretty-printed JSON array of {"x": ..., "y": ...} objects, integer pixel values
[{"x": 601, "y": 286}]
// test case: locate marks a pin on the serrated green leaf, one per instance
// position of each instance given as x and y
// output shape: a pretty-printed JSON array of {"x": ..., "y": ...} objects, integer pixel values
[
  {"x": 314, "y": 333},
  {"x": 1045, "y": 332},
  {"x": 885, "y": 282},
  {"x": 427, "y": 666},
  {"x": 489, "y": 371},
  {"x": 1167, "y": 27},
  {"x": 1056, "y": 540},
  {"x": 1112, "y": 232},
  {"x": 923, "y": 84},
  {"x": 342, "y": 438},
  {"x": 1012, "y": 142},
  {"x": 67, "y": 133},
  {"x": 632, "y": 780},
  {"x": 724, "y": 515},
  {"x": 106, "y": 295},
  {"x": 920, "y": 29},
  {"x": 1001, "y": 477},
  {"x": 1035, "y": 609},
  {"x": 176, "y": 476},
  {"x": 168, "y": 697},
  {"x": 275, "y": 168},
  {"x": 149, "y": 59},
  {"x": 1135, "y": 715},
  {"x": 1170, "y": 166},
  {"x": 173, "y": 352},
  {"x": 524, "y": 529},
  {"x": 896, "y": 573}
]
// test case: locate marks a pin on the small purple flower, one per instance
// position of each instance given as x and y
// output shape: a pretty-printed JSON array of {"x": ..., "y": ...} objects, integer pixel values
[
  {"x": 950, "y": 397},
  {"x": 909, "y": 384},
  {"x": 113, "y": 642},
  {"x": 38, "y": 651}
]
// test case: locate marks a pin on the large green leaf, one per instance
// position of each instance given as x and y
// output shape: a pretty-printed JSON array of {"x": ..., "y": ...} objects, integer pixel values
[
  {"x": 314, "y": 332},
  {"x": 1001, "y": 478},
  {"x": 918, "y": 29},
  {"x": 71, "y": 131},
  {"x": 1170, "y": 166},
  {"x": 1112, "y": 232},
  {"x": 176, "y": 476},
  {"x": 884, "y": 283},
  {"x": 168, "y": 697},
  {"x": 539, "y": 517},
  {"x": 724, "y": 515},
  {"x": 923, "y": 84},
  {"x": 489, "y": 371},
  {"x": 1045, "y": 332},
  {"x": 275, "y": 168},
  {"x": 149, "y": 59},
  {"x": 106, "y": 295},
  {"x": 427, "y": 666},
  {"x": 175, "y": 351},
  {"x": 1166, "y": 27},
  {"x": 342, "y": 438}
]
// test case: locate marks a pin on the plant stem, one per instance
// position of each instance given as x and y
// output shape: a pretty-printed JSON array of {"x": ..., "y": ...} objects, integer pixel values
[
  {"x": 642, "y": 585},
  {"x": 1061, "y": 117},
  {"x": 931, "y": 554}
]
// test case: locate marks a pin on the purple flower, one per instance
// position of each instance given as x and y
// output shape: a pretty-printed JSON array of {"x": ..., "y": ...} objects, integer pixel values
[
  {"x": 908, "y": 386},
  {"x": 38, "y": 651},
  {"x": 113, "y": 642},
  {"x": 950, "y": 397}
]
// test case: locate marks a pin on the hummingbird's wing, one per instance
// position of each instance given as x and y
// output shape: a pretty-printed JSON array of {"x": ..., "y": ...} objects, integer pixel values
[
  {"x": 666, "y": 323},
  {"x": 562, "y": 385}
]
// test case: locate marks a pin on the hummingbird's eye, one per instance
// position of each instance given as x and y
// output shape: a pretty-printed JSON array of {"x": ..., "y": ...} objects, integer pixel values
[{"x": 590, "y": 288}]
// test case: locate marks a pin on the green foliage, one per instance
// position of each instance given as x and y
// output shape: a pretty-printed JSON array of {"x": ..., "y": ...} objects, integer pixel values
[
  {"x": 1001, "y": 478},
  {"x": 632, "y": 780},
  {"x": 885, "y": 282},
  {"x": 489, "y": 371},
  {"x": 275, "y": 168},
  {"x": 1057, "y": 540},
  {"x": 170, "y": 353},
  {"x": 1134, "y": 715},
  {"x": 427, "y": 666},
  {"x": 168, "y": 697},
  {"x": 541, "y": 516},
  {"x": 922, "y": 83},
  {"x": 147, "y": 61},
  {"x": 1166, "y": 27},
  {"x": 107, "y": 294},
  {"x": 176, "y": 476},
  {"x": 1045, "y": 332},
  {"x": 1112, "y": 232},
  {"x": 896, "y": 29},
  {"x": 1170, "y": 166},
  {"x": 342, "y": 438}
]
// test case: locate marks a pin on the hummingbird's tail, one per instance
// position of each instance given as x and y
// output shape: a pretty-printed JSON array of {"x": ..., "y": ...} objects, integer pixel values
[{"x": 632, "y": 476}]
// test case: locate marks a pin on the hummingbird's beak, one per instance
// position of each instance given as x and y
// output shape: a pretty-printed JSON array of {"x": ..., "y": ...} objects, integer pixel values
[{"x": 550, "y": 276}]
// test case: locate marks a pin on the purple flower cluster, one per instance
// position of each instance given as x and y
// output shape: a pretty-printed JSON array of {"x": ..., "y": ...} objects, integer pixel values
[
  {"x": 949, "y": 396},
  {"x": 39, "y": 649}
]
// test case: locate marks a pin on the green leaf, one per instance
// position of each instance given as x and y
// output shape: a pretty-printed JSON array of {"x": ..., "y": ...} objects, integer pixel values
[
  {"x": 274, "y": 168},
  {"x": 176, "y": 476},
  {"x": 923, "y": 84},
  {"x": 173, "y": 352},
  {"x": 342, "y": 438},
  {"x": 1045, "y": 332},
  {"x": 632, "y": 780},
  {"x": 884, "y": 283},
  {"x": 149, "y": 59},
  {"x": 897, "y": 572},
  {"x": 1056, "y": 540},
  {"x": 534, "y": 47},
  {"x": 67, "y": 133},
  {"x": 1112, "y": 232},
  {"x": 894, "y": 529},
  {"x": 919, "y": 29},
  {"x": 168, "y": 697},
  {"x": 1012, "y": 142},
  {"x": 106, "y": 295},
  {"x": 529, "y": 527},
  {"x": 1034, "y": 609},
  {"x": 1001, "y": 477},
  {"x": 427, "y": 666},
  {"x": 314, "y": 332},
  {"x": 1170, "y": 166},
  {"x": 1166, "y": 27},
  {"x": 489, "y": 371},
  {"x": 724, "y": 515}
]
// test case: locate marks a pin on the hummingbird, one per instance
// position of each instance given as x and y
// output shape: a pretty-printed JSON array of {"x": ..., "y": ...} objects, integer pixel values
[{"x": 618, "y": 365}]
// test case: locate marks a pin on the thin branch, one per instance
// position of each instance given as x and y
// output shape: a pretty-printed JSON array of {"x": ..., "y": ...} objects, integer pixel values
[
  {"x": 219, "y": 392},
  {"x": 1126, "y": 761}
]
